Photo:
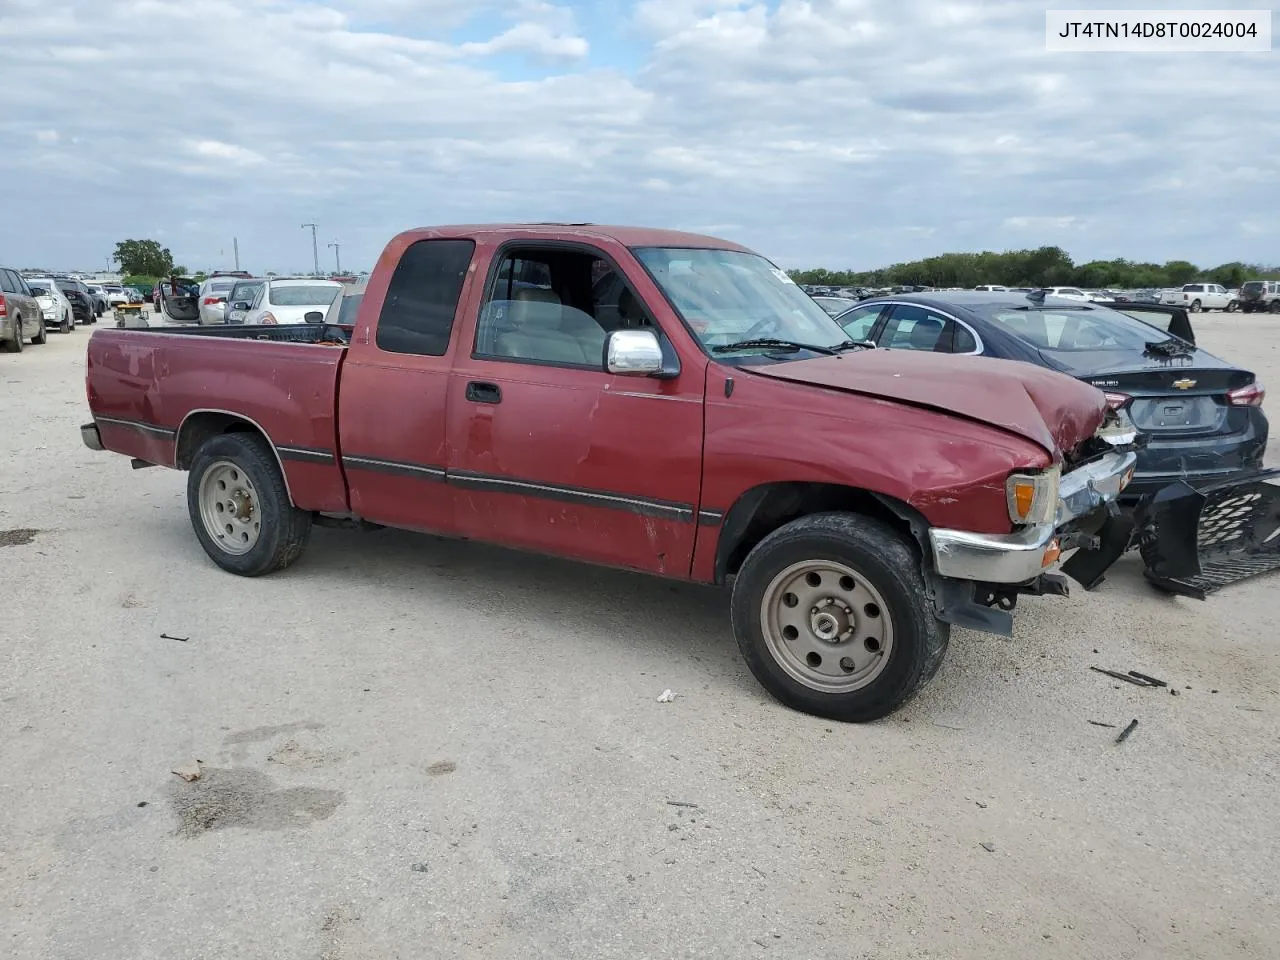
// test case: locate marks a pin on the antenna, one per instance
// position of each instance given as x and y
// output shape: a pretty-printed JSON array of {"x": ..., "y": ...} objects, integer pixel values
[{"x": 315, "y": 248}]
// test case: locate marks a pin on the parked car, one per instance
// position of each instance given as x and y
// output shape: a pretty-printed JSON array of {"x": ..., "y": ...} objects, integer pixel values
[
  {"x": 241, "y": 295},
  {"x": 136, "y": 296},
  {"x": 101, "y": 300},
  {"x": 54, "y": 304},
  {"x": 213, "y": 298},
  {"x": 1257, "y": 296},
  {"x": 177, "y": 300},
  {"x": 991, "y": 287},
  {"x": 700, "y": 419},
  {"x": 1067, "y": 293},
  {"x": 82, "y": 306},
  {"x": 116, "y": 294},
  {"x": 1201, "y": 296},
  {"x": 835, "y": 305},
  {"x": 21, "y": 317},
  {"x": 345, "y": 306},
  {"x": 290, "y": 301},
  {"x": 1201, "y": 417}
]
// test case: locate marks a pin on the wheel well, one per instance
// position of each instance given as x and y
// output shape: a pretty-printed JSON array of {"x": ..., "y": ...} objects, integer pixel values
[
  {"x": 763, "y": 509},
  {"x": 199, "y": 427}
]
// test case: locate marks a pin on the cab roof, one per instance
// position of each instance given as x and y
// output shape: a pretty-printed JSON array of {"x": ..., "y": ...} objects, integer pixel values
[{"x": 585, "y": 232}]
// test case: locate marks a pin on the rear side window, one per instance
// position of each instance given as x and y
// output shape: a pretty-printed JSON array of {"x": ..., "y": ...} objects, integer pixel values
[
  {"x": 8, "y": 282},
  {"x": 422, "y": 298}
]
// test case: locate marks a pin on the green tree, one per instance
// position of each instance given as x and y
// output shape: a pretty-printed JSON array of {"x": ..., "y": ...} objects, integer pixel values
[
  {"x": 144, "y": 258},
  {"x": 1179, "y": 272}
]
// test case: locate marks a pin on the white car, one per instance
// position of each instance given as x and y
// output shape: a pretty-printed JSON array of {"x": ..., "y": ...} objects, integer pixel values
[
  {"x": 54, "y": 304},
  {"x": 1068, "y": 293},
  {"x": 991, "y": 288},
  {"x": 213, "y": 299},
  {"x": 115, "y": 294},
  {"x": 289, "y": 301}
]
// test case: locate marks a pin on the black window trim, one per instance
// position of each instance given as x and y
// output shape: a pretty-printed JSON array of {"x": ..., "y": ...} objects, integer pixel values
[
  {"x": 500, "y": 255},
  {"x": 884, "y": 318},
  {"x": 457, "y": 305}
]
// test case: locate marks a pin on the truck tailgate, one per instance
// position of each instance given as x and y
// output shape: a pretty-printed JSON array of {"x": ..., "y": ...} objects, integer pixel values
[{"x": 156, "y": 395}]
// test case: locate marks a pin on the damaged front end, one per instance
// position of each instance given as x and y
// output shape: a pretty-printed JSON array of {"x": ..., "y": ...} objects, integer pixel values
[{"x": 1198, "y": 537}]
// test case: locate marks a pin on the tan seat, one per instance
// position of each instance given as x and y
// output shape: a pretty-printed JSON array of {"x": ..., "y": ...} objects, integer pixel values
[{"x": 543, "y": 329}]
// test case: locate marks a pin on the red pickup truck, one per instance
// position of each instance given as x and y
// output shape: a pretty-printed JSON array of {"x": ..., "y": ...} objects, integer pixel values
[{"x": 646, "y": 399}]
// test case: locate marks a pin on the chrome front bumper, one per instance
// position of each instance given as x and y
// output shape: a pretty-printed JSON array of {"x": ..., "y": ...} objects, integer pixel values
[{"x": 1025, "y": 554}]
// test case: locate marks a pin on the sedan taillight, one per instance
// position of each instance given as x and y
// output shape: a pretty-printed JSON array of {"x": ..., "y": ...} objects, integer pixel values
[
  {"x": 210, "y": 301},
  {"x": 1116, "y": 400},
  {"x": 1247, "y": 396},
  {"x": 268, "y": 318},
  {"x": 4, "y": 306}
]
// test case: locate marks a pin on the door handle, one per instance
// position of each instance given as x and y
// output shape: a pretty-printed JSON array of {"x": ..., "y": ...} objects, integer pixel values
[{"x": 480, "y": 392}]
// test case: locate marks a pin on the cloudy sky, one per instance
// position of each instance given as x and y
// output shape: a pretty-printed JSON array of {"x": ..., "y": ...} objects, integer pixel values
[{"x": 830, "y": 133}]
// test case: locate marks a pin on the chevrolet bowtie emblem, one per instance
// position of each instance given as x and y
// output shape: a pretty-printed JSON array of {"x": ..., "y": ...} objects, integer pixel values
[{"x": 1184, "y": 384}]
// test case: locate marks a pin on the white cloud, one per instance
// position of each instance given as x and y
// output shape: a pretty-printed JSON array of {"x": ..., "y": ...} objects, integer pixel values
[{"x": 833, "y": 132}]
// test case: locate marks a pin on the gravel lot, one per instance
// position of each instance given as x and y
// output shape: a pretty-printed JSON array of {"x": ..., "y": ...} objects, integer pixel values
[{"x": 418, "y": 748}]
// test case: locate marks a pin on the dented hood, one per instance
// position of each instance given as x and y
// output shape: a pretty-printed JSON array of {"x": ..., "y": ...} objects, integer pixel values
[{"x": 1054, "y": 410}]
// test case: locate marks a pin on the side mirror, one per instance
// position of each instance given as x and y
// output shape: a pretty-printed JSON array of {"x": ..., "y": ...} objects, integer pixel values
[
  {"x": 240, "y": 305},
  {"x": 313, "y": 316},
  {"x": 635, "y": 353}
]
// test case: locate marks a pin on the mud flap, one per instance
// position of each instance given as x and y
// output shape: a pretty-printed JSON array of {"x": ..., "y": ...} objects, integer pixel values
[{"x": 1195, "y": 539}]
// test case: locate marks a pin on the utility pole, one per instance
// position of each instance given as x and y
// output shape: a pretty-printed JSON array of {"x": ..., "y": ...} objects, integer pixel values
[
  {"x": 315, "y": 247},
  {"x": 235, "y": 245},
  {"x": 337, "y": 257}
]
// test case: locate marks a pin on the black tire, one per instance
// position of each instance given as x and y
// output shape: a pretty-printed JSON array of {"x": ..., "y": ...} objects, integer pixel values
[
  {"x": 284, "y": 529},
  {"x": 15, "y": 345},
  {"x": 1195, "y": 306},
  {"x": 66, "y": 324},
  {"x": 1233, "y": 306},
  {"x": 1275, "y": 307},
  {"x": 888, "y": 563},
  {"x": 42, "y": 335}
]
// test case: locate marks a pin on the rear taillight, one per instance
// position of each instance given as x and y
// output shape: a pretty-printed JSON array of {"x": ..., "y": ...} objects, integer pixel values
[
  {"x": 210, "y": 301},
  {"x": 268, "y": 318},
  {"x": 1116, "y": 400},
  {"x": 1249, "y": 396},
  {"x": 4, "y": 306}
]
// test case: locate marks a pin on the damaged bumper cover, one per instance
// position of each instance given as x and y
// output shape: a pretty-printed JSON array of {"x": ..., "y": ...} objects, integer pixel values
[
  {"x": 1018, "y": 557},
  {"x": 1198, "y": 537}
]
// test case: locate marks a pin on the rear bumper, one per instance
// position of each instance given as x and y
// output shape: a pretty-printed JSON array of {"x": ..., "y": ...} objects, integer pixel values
[
  {"x": 1024, "y": 555},
  {"x": 1162, "y": 462},
  {"x": 91, "y": 438}
]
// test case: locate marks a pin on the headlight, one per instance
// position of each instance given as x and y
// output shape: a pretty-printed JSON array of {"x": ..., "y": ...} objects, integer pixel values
[{"x": 1033, "y": 497}]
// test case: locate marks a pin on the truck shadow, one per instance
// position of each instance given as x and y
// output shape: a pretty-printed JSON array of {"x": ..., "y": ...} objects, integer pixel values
[{"x": 689, "y": 620}]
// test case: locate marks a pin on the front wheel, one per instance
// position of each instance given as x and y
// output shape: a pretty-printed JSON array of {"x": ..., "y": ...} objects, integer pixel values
[
  {"x": 240, "y": 508},
  {"x": 831, "y": 614},
  {"x": 65, "y": 325},
  {"x": 15, "y": 345}
]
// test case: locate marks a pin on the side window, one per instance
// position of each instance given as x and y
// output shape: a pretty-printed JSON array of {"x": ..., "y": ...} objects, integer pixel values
[
  {"x": 860, "y": 321},
  {"x": 917, "y": 328},
  {"x": 8, "y": 282},
  {"x": 422, "y": 298},
  {"x": 552, "y": 306}
]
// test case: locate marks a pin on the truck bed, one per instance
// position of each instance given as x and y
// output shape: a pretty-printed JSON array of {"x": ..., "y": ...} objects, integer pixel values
[{"x": 156, "y": 393}]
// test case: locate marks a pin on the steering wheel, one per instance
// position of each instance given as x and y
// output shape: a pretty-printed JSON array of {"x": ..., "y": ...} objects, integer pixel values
[{"x": 757, "y": 329}]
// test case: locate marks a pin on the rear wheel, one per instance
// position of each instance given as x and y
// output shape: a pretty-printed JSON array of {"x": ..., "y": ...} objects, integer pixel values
[
  {"x": 1275, "y": 306},
  {"x": 832, "y": 617},
  {"x": 65, "y": 325},
  {"x": 1195, "y": 306},
  {"x": 240, "y": 508},
  {"x": 42, "y": 334},
  {"x": 1233, "y": 306},
  {"x": 15, "y": 345}
]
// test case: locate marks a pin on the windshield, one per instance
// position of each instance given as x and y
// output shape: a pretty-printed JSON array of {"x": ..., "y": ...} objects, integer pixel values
[
  {"x": 1064, "y": 330},
  {"x": 304, "y": 296},
  {"x": 726, "y": 296},
  {"x": 244, "y": 291},
  {"x": 38, "y": 291}
]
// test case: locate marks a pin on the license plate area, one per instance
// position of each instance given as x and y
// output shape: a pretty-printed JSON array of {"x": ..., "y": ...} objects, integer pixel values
[{"x": 1182, "y": 414}]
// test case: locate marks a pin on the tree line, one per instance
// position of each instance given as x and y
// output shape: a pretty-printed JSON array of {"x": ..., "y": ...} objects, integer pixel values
[{"x": 1042, "y": 267}]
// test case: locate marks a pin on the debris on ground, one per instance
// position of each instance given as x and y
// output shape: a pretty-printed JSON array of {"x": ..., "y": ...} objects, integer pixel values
[
  {"x": 17, "y": 538},
  {"x": 1099, "y": 723},
  {"x": 682, "y": 803},
  {"x": 1175, "y": 691},
  {"x": 1137, "y": 679},
  {"x": 441, "y": 767},
  {"x": 666, "y": 696},
  {"x": 989, "y": 847},
  {"x": 418, "y": 868},
  {"x": 1124, "y": 734},
  {"x": 165, "y": 636},
  {"x": 189, "y": 772}
]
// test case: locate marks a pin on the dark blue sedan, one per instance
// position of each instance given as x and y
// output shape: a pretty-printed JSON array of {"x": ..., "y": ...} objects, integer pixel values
[{"x": 1202, "y": 416}]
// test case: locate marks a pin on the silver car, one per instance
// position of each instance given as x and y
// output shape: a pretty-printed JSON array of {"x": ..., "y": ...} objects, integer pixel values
[
  {"x": 213, "y": 299},
  {"x": 242, "y": 293}
]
